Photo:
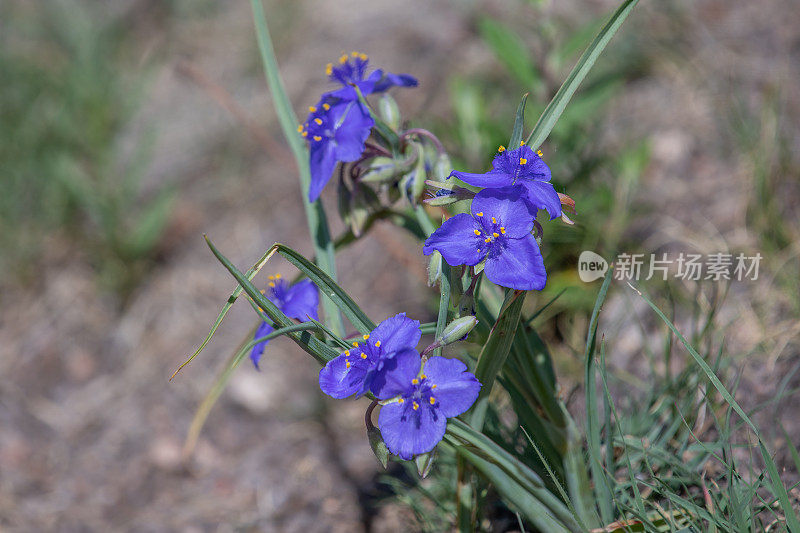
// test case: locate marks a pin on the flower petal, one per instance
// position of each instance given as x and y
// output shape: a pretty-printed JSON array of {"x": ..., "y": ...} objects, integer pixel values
[
  {"x": 353, "y": 126},
  {"x": 301, "y": 301},
  {"x": 542, "y": 195},
  {"x": 255, "y": 354},
  {"x": 456, "y": 389},
  {"x": 322, "y": 161},
  {"x": 408, "y": 432},
  {"x": 518, "y": 266},
  {"x": 491, "y": 179},
  {"x": 389, "y": 80},
  {"x": 508, "y": 206},
  {"x": 339, "y": 380},
  {"x": 456, "y": 241},
  {"x": 396, "y": 333},
  {"x": 394, "y": 377}
]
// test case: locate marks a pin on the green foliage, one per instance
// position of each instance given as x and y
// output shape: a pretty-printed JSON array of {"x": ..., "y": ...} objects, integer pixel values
[{"x": 67, "y": 98}]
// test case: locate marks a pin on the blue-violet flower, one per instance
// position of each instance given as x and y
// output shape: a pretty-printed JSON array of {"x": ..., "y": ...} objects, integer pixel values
[
  {"x": 352, "y": 71},
  {"x": 299, "y": 301},
  {"x": 521, "y": 167},
  {"x": 361, "y": 368},
  {"x": 424, "y": 398},
  {"x": 499, "y": 231}
]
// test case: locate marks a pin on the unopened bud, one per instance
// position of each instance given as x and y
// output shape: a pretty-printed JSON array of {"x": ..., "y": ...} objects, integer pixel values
[
  {"x": 424, "y": 463},
  {"x": 434, "y": 268},
  {"x": 389, "y": 111},
  {"x": 378, "y": 446},
  {"x": 381, "y": 169},
  {"x": 442, "y": 167},
  {"x": 457, "y": 329}
]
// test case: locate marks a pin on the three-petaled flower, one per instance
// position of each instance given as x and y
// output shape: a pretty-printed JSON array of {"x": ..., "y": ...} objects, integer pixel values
[
  {"x": 421, "y": 401},
  {"x": 498, "y": 230},
  {"x": 299, "y": 301},
  {"x": 339, "y": 125},
  {"x": 363, "y": 367},
  {"x": 520, "y": 167}
]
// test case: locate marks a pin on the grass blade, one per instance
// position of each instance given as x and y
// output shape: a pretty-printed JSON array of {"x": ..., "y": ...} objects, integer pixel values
[
  {"x": 519, "y": 124},
  {"x": 559, "y": 102},
  {"x": 315, "y": 213}
]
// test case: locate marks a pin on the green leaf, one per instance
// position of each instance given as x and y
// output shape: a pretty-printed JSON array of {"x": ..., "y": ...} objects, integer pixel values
[
  {"x": 510, "y": 50},
  {"x": 316, "y": 348},
  {"x": 601, "y": 482},
  {"x": 519, "y": 124},
  {"x": 495, "y": 351},
  {"x": 556, "y": 106},
  {"x": 203, "y": 410},
  {"x": 315, "y": 213},
  {"x": 329, "y": 288}
]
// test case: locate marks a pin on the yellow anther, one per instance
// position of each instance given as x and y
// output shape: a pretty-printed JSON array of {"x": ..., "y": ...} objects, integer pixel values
[
  {"x": 539, "y": 153},
  {"x": 479, "y": 214},
  {"x": 312, "y": 109},
  {"x": 415, "y": 406},
  {"x": 271, "y": 284},
  {"x": 329, "y": 69},
  {"x": 317, "y": 138},
  {"x": 355, "y": 344},
  {"x": 362, "y": 57},
  {"x": 305, "y": 134},
  {"x": 476, "y": 232},
  {"x": 502, "y": 230},
  {"x": 495, "y": 235},
  {"x": 423, "y": 376},
  {"x": 326, "y": 106},
  {"x": 401, "y": 400},
  {"x": 522, "y": 143},
  {"x": 433, "y": 386},
  {"x": 347, "y": 364},
  {"x": 347, "y": 353},
  {"x": 343, "y": 59},
  {"x": 318, "y": 122},
  {"x": 270, "y": 277},
  {"x": 277, "y": 276},
  {"x": 363, "y": 356},
  {"x": 432, "y": 400},
  {"x": 262, "y": 291},
  {"x": 299, "y": 128},
  {"x": 377, "y": 344},
  {"x": 523, "y": 161},
  {"x": 365, "y": 337},
  {"x": 354, "y": 54},
  {"x": 501, "y": 148},
  {"x": 487, "y": 240},
  {"x": 415, "y": 381},
  {"x": 494, "y": 220}
]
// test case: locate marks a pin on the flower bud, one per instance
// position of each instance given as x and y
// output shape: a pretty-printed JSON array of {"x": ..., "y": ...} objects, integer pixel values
[
  {"x": 434, "y": 268},
  {"x": 381, "y": 169},
  {"x": 442, "y": 167},
  {"x": 378, "y": 446},
  {"x": 457, "y": 329},
  {"x": 424, "y": 463},
  {"x": 389, "y": 111}
]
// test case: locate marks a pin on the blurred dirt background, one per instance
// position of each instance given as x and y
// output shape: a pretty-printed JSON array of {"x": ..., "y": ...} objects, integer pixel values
[{"x": 91, "y": 430}]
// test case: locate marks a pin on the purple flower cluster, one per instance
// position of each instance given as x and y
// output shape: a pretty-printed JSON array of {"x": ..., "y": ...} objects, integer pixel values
[
  {"x": 498, "y": 228},
  {"x": 339, "y": 125},
  {"x": 418, "y": 396}
]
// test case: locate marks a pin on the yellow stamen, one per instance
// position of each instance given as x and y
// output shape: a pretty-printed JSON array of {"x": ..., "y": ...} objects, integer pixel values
[
  {"x": 365, "y": 337},
  {"x": 377, "y": 344},
  {"x": 476, "y": 232},
  {"x": 354, "y": 54},
  {"x": 502, "y": 230},
  {"x": 277, "y": 276},
  {"x": 329, "y": 69},
  {"x": 479, "y": 214},
  {"x": 347, "y": 364},
  {"x": 305, "y": 134},
  {"x": 312, "y": 109},
  {"x": 270, "y": 277},
  {"x": 271, "y": 284},
  {"x": 522, "y": 143},
  {"x": 363, "y": 356},
  {"x": 539, "y": 153},
  {"x": 326, "y": 106},
  {"x": 416, "y": 406},
  {"x": 495, "y": 235},
  {"x": 317, "y": 138},
  {"x": 415, "y": 381},
  {"x": 401, "y": 400},
  {"x": 494, "y": 220},
  {"x": 318, "y": 121},
  {"x": 523, "y": 161},
  {"x": 347, "y": 353},
  {"x": 501, "y": 148},
  {"x": 433, "y": 386},
  {"x": 423, "y": 376},
  {"x": 432, "y": 400},
  {"x": 362, "y": 57},
  {"x": 343, "y": 59},
  {"x": 487, "y": 239},
  {"x": 355, "y": 344},
  {"x": 299, "y": 128}
]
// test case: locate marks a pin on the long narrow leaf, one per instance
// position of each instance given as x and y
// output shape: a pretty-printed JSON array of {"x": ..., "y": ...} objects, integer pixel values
[{"x": 556, "y": 106}]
